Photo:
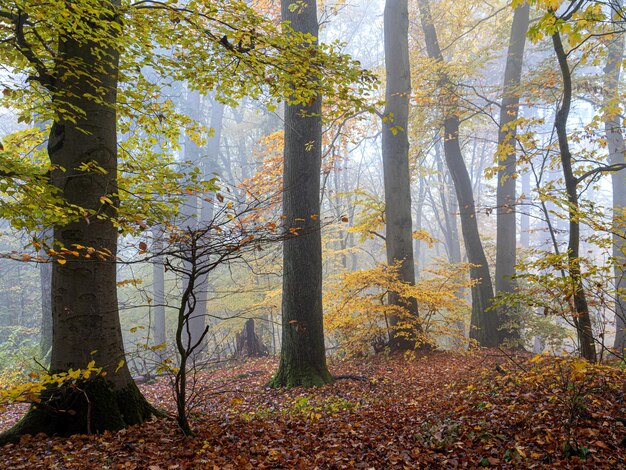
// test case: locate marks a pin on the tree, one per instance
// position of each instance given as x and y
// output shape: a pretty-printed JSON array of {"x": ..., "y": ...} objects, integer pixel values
[
  {"x": 617, "y": 148},
  {"x": 484, "y": 324},
  {"x": 397, "y": 178},
  {"x": 303, "y": 354},
  {"x": 73, "y": 62},
  {"x": 84, "y": 295},
  {"x": 582, "y": 317},
  {"x": 506, "y": 244}
]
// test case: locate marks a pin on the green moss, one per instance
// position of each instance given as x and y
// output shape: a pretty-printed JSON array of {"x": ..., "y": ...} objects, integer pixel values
[
  {"x": 90, "y": 406},
  {"x": 289, "y": 376}
]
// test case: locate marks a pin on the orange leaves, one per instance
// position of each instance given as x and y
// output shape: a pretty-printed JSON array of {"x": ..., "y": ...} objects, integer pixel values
[{"x": 409, "y": 414}]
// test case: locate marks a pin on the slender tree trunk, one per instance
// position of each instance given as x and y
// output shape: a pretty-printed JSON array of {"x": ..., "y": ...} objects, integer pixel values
[
  {"x": 190, "y": 211},
  {"x": 303, "y": 354},
  {"x": 582, "y": 317},
  {"x": 199, "y": 318},
  {"x": 484, "y": 323},
  {"x": 395, "y": 148},
  {"x": 45, "y": 283},
  {"x": 506, "y": 244},
  {"x": 617, "y": 148},
  {"x": 85, "y": 312},
  {"x": 158, "y": 296}
]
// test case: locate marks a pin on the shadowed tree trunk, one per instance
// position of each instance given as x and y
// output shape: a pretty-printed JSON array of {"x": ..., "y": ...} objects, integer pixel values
[
  {"x": 248, "y": 342},
  {"x": 506, "y": 244},
  {"x": 395, "y": 148},
  {"x": 484, "y": 324},
  {"x": 303, "y": 354},
  {"x": 84, "y": 294},
  {"x": 581, "y": 317},
  {"x": 615, "y": 140}
]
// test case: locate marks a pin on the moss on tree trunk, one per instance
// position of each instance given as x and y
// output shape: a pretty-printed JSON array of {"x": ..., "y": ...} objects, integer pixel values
[{"x": 89, "y": 407}]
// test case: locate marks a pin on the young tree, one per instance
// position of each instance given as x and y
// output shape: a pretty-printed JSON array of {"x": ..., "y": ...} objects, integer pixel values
[
  {"x": 397, "y": 178},
  {"x": 506, "y": 244},
  {"x": 303, "y": 354}
]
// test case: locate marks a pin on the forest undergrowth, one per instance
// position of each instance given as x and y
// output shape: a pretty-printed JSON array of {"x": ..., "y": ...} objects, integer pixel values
[{"x": 441, "y": 410}]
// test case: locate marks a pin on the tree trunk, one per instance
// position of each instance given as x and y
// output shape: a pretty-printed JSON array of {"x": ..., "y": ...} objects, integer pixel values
[
  {"x": 506, "y": 243},
  {"x": 617, "y": 147},
  {"x": 158, "y": 296},
  {"x": 484, "y": 324},
  {"x": 303, "y": 354},
  {"x": 210, "y": 166},
  {"x": 85, "y": 312},
  {"x": 581, "y": 317},
  {"x": 45, "y": 283},
  {"x": 248, "y": 342},
  {"x": 395, "y": 148}
]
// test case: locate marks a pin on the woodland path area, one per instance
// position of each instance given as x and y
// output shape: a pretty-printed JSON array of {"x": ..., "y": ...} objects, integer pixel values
[{"x": 442, "y": 410}]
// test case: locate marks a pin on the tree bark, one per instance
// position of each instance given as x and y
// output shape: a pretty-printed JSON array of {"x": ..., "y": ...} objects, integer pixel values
[
  {"x": 303, "y": 354},
  {"x": 506, "y": 240},
  {"x": 484, "y": 324},
  {"x": 581, "y": 317},
  {"x": 397, "y": 178},
  {"x": 85, "y": 311},
  {"x": 616, "y": 146}
]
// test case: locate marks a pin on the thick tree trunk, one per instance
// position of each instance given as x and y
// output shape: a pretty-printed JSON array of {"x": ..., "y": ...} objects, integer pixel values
[
  {"x": 303, "y": 354},
  {"x": 395, "y": 148},
  {"x": 484, "y": 324},
  {"x": 506, "y": 244},
  {"x": 581, "y": 317},
  {"x": 84, "y": 294},
  {"x": 615, "y": 140}
]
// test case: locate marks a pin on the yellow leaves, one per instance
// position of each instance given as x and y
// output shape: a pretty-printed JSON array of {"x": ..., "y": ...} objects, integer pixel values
[
  {"x": 30, "y": 390},
  {"x": 358, "y": 308}
]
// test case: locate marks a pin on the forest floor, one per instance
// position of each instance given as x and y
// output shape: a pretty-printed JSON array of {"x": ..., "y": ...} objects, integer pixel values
[{"x": 443, "y": 410}]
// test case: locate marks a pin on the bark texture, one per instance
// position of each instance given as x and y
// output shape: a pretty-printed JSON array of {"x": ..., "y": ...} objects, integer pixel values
[
  {"x": 506, "y": 242},
  {"x": 484, "y": 323},
  {"x": 303, "y": 354},
  {"x": 397, "y": 178},
  {"x": 85, "y": 312}
]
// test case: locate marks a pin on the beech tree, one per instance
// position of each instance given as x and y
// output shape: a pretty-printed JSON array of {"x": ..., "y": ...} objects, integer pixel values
[
  {"x": 484, "y": 324},
  {"x": 506, "y": 244},
  {"x": 71, "y": 53},
  {"x": 303, "y": 354},
  {"x": 616, "y": 146},
  {"x": 397, "y": 178}
]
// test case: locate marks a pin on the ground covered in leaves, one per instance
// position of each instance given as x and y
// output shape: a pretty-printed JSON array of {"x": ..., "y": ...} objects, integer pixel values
[{"x": 442, "y": 410}]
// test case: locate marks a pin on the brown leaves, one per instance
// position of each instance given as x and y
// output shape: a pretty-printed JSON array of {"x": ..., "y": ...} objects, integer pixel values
[{"x": 437, "y": 411}]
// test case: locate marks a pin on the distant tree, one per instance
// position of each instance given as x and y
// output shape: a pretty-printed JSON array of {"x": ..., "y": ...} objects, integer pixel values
[
  {"x": 484, "y": 323},
  {"x": 303, "y": 354},
  {"x": 613, "y": 123}
]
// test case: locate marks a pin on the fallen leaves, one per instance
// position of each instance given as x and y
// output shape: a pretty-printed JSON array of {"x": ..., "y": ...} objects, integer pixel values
[{"x": 438, "y": 411}]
